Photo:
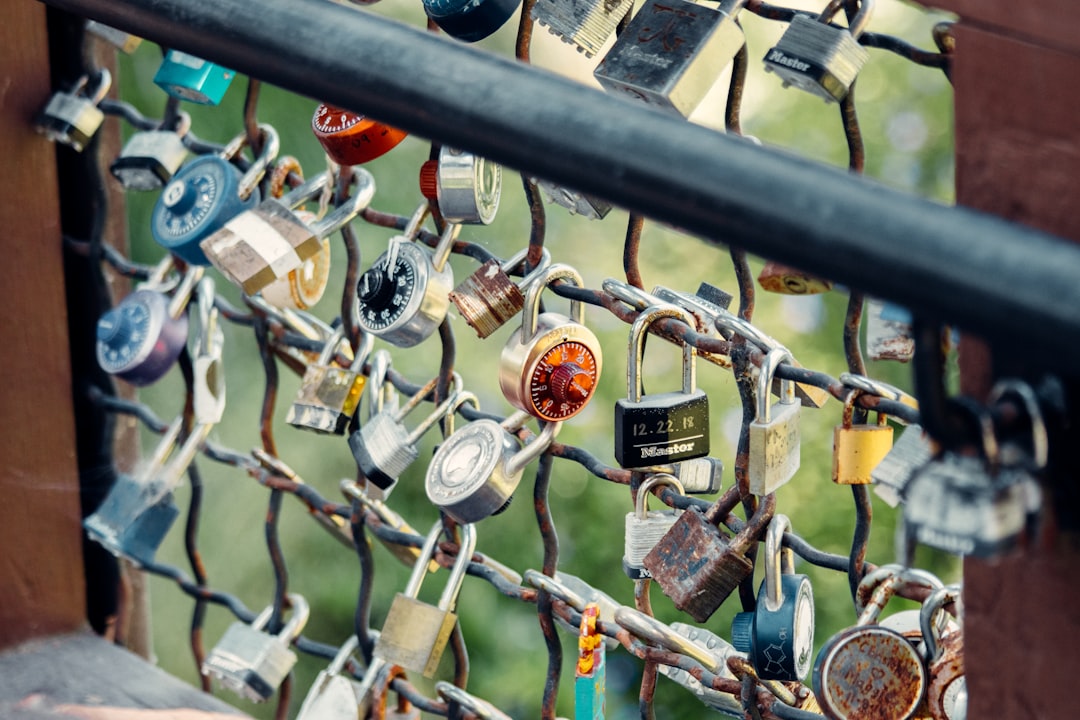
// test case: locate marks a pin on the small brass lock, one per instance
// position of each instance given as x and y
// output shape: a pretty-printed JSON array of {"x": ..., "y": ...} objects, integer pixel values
[{"x": 858, "y": 449}]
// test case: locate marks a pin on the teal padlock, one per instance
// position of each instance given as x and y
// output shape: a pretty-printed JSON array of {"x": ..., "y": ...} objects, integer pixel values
[
  {"x": 193, "y": 79},
  {"x": 589, "y": 676}
]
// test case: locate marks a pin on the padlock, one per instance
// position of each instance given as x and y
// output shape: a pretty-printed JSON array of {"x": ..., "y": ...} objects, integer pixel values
[
  {"x": 405, "y": 294},
  {"x": 333, "y": 694},
  {"x": 1017, "y": 460},
  {"x": 382, "y": 394},
  {"x": 329, "y": 395},
  {"x": 944, "y": 656},
  {"x": 465, "y": 187},
  {"x": 123, "y": 41},
  {"x": 858, "y": 449},
  {"x": 251, "y": 662},
  {"x": 657, "y": 633},
  {"x": 470, "y": 20},
  {"x": 550, "y": 366},
  {"x": 698, "y": 565},
  {"x": 187, "y": 77},
  {"x": 477, "y": 469},
  {"x": 72, "y": 118},
  {"x": 481, "y": 709},
  {"x": 264, "y": 244},
  {"x": 586, "y": 25},
  {"x": 304, "y": 286},
  {"x": 783, "y": 279},
  {"x": 415, "y": 633},
  {"x": 587, "y": 206},
  {"x": 889, "y": 334},
  {"x": 590, "y": 674},
  {"x": 151, "y": 157},
  {"x": 870, "y": 672},
  {"x": 407, "y": 554},
  {"x": 489, "y": 298},
  {"x": 663, "y": 427},
  {"x": 775, "y": 436},
  {"x": 908, "y": 454},
  {"x": 643, "y": 528},
  {"x": 350, "y": 138},
  {"x": 384, "y": 448},
  {"x": 140, "y": 338},
  {"x": 700, "y": 476},
  {"x": 205, "y": 194},
  {"x": 779, "y": 634},
  {"x": 818, "y": 57},
  {"x": 576, "y": 593},
  {"x": 671, "y": 54},
  {"x": 721, "y": 650}
]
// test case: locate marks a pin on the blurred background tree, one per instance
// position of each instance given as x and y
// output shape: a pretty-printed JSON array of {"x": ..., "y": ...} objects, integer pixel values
[{"x": 905, "y": 115}]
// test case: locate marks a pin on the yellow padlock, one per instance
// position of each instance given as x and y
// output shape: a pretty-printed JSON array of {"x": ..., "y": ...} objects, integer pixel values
[{"x": 857, "y": 449}]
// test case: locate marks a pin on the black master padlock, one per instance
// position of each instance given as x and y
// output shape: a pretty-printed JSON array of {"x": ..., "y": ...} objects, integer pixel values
[{"x": 666, "y": 427}]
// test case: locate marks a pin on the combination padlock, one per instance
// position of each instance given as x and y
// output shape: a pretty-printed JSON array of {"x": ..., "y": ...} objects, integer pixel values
[
  {"x": 489, "y": 298},
  {"x": 550, "y": 366},
  {"x": 329, "y": 395},
  {"x": 576, "y": 593},
  {"x": 72, "y": 118},
  {"x": 662, "y": 427},
  {"x": 407, "y": 554},
  {"x": 470, "y": 20},
  {"x": 775, "y": 436},
  {"x": 190, "y": 78},
  {"x": 587, "y": 206},
  {"x": 889, "y": 333},
  {"x": 698, "y": 565},
  {"x": 586, "y": 25},
  {"x": 477, "y": 469},
  {"x": 723, "y": 703},
  {"x": 590, "y": 673},
  {"x": 700, "y": 476},
  {"x": 151, "y": 157},
  {"x": 643, "y": 528},
  {"x": 858, "y": 449},
  {"x": 779, "y": 634},
  {"x": 818, "y": 57},
  {"x": 482, "y": 709},
  {"x": 122, "y": 41},
  {"x": 944, "y": 654},
  {"x": 415, "y": 633},
  {"x": 140, "y": 338},
  {"x": 266, "y": 243},
  {"x": 384, "y": 448},
  {"x": 671, "y": 54},
  {"x": 405, "y": 294},
  {"x": 465, "y": 187},
  {"x": 333, "y": 694},
  {"x": 205, "y": 194},
  {"x": 350, "y": 138},
  {"x": 251, "y": 662},
  {"x": 783, "y": 279},
  {"x": 911, "y": 452}
]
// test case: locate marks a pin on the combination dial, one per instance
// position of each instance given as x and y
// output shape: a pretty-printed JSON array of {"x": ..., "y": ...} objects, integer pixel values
[
  {"x": 562, "y": 381},
  {"x": 384, "y": 295},
  {"x": 137, "y": 340},
  {"x": 352, "y": 139}
]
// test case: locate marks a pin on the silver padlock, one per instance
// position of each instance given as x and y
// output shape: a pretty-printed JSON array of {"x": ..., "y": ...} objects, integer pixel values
[
  {"x": 657, "y": 633},
  {"x": 489, "y": 298},
  {"x": 264, "y": 244},
  {"x": 384, "y": 448},
  {"x": 576, "y": 593},
  {"x": 330, "y": 395},
  {"x": 151, "y": 157},
  {"x": 465, "y": 187},
  {"x": 671, "y": 54},
  {"x": 415, "y": 633},
  {"x": 644, "y": 527},
  {"x": 700, "y": 476},
  {"x": 382, "y": 395},
  {"x": 587, "y": 206},
  {"x": 889, "y": 335},
  {"x": 774, "y": 434},
  {"x": 911, "y": 452},
  {"x": 72, "y": 118},
  {"x": 723, "y": 703},
  {"x": 477, "y": 469},
  {"x": 333, "y": 694},
  {"x": 252, "y": 663},
  {"x": 124, "y": 42},
  {"x": 586, "y": 25},
  {"x": 818, "y": 57}
]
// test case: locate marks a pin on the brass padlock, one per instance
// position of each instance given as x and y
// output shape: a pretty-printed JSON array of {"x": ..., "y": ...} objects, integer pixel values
[
  {"x": 415, "y": 633},
  {"x": 329, "y": 395},
  {"x": 783, "y": 279},
  {"x": 944, "y": 653},
  {"x": 489, "y": 298},
  {"x": 72, "y": 118},
  {"x": 775, "y": 436},
  {"x": 858, "y": 449}
]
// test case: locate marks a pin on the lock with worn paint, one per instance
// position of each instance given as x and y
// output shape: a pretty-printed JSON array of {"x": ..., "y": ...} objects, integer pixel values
[
  {"x": 911, "y": 452},
  {"x": 465, "y": 187},
  {"x": 587, "y": 206},
  {"x": 384, "y": 448},
  {"x": 700, "y": 476},
  {"x": 302, "y": 287},
  {"x": 889, "y": 334},
  {"x": 415, "y": 633},
  {"x": 267, "y": 242},
  {"x": 251, "y": 662},
  {"x": 720, "y": 649},
  {"x": 470, "y": 20},
  {"x": 549, "y": 367},
  {"x": 858, "y": 448},
  {"x": 333, "y": 694},
  {"x": 72, "y": 118},
  {"x": 586, "y": 25},
  {"x": 663, "y": 427},
  {"x": 671, "y": 54},
  {"x": 775, "y": 436},
  {"x": 698, "y": 565},
  {"x": 489, "y": 298},
  {"x": 206, "y": 193},
  {"x": 783, "y": 279},
  {"x": 944, "y": 654},
  {"x": 329, "y": 395},
  {"x": 476, "y": 470},
  {"x": 453, "y": 695},
  {"x": 123, "y": 41},
  {"x": 779, "y": 634},
  {"x": 643, "y": 528},
  {"x": 821, "y": 58},
  {"x": 193, "y": 79},
  {"x": 590, "y": 674},
  {"x": 151, "y": 157},
  {"x": 350, "y": 138}
]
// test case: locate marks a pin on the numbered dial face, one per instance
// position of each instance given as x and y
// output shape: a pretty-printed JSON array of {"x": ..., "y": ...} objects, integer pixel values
[
  {"x": 383, "y": 299},
  {"x": 189, "y": 200},
  {"x": 563, "y": 381},
  {"x": 350, "y": 138},
  {"x": 122, "y": 335}
]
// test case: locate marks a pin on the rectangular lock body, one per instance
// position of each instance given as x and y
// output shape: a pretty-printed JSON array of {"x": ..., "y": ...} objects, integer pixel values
[
  {"x": 671, "y": 54},
  {"x": 327, "y": 400},
  {"x": 249, "y": 662},
  {"x": 888, "y": 336},
  {"x": 415, "y": 635},
  {"x": 695, "y": 567},
  {"x": 488, "y": 298},
  {"x": 700, "y": 475},
  {"x": 891, "y": 476},
  {"x": 817, "y": 58},
  {"x": 193, "y": 79},
  {"x": 662, "y": 428},
  {"x": 585, "y": 24},
  {"x": 70, "y": 119},
  {"x": 857, "y": 450},
  {"x": 774, "y": 449},
  {"x": 589, "y": 690},
  {"x": 382, "y": 450},
  {"x": 149, "y": 160}
]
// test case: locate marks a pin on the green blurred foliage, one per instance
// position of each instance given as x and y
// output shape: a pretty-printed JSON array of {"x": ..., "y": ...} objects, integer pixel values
[{"x": 905, "y": 114}]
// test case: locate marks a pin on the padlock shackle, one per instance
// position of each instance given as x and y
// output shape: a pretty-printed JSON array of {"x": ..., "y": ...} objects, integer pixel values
[
  {"x": 460, "y": 399},
  {"x": 457, "y": 573},
  {"x": 636, "y": 348},
  {"x": 182, "y": 295},
  {"x": 518, "y": 259},
  {"x": 641, "y": 506},
  {"x": 1040, "y": 441},
  {"x": 344, "y": 654},
  {"x": 209, "y": 375},
  {"x": 658, "y": 633},
  {"x": 878, "y": 388},
  {"x": 379, "y": 394},
  {"x": 558, "y": 271},
  {"x": 306, "y": 191},
  {"x": 362, "y": 195},
  {"x": 858, "y": 23},
  {"x": 300, "y": 613},
  {"x": 755, "y": 526},
  {"x": 878, "y": 586},
  {"x": 441, "y": 255},
  {"x": 633, "y": 296},
  {"x": 533, "y": 450},
  {"x": 555, "y": 586},
  {"x": 101, "y": 88},
  {"x": 271, "y": 146},
  {"x": 733, "y": 323},
  {"x": 772, "y": 360},
  {"x": 437, "y": 414},
  {"x": 931, "y": 625},
  {"x": 156, "y": 279},
  {"x": 774, "y": 561}
]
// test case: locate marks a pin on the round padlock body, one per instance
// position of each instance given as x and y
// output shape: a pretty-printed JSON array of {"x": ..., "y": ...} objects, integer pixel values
[
  {"x": 470, "y": 20},
  {"x": 404, "y": 307},
  {"x": 350, "y": 138},
  {"x": 464, "y": 477},
  {"x": 137, "y": 340},
  {"x": 869, "y": 673},
  {"x": 466, "y": 187}
]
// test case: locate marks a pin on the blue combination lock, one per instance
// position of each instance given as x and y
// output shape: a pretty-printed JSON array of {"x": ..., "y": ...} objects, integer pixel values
[
  {"x": 206, "y": 194},
  {"x": 190, "y": 78},
  {"x": 470, "y": 20}
]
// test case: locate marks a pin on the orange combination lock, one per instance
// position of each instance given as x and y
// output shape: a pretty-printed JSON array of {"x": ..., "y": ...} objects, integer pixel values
[{"x": 350, "y": 138}]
